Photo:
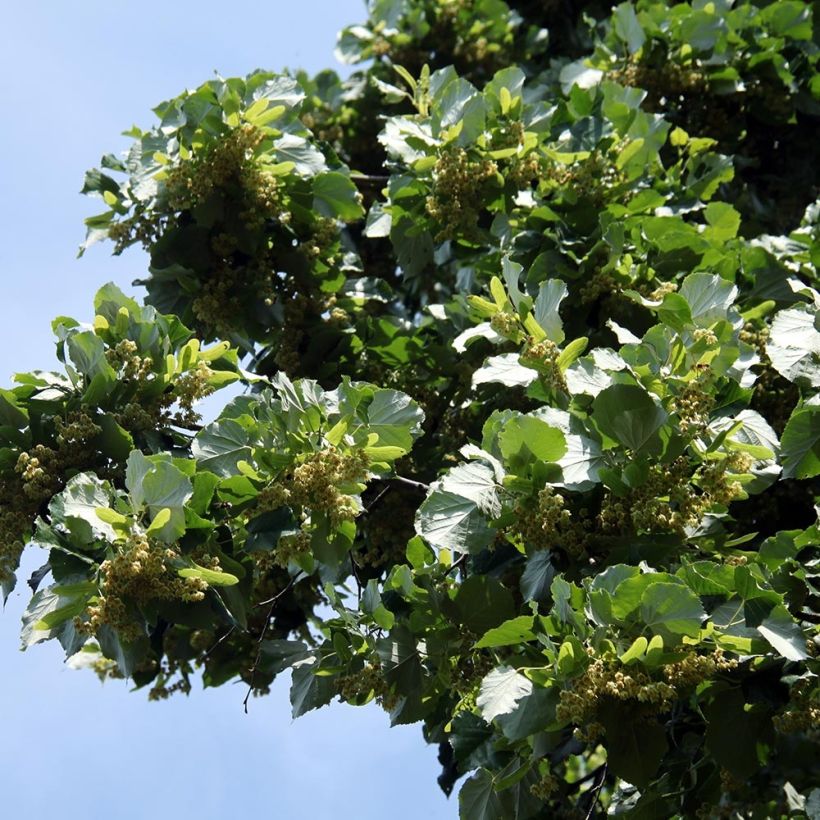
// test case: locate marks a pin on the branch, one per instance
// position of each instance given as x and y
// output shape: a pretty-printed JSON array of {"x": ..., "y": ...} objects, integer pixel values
[
  {"x": 370, "y": 179},
  {"x": 223, "y": 638},
  {"x": 458, "y": 562},
  {"x": 255, "y": 667},
  {"x": 355, "y": 567},
  {"x": 595, "y": 791},
  {"x": 419, "y": 485}
]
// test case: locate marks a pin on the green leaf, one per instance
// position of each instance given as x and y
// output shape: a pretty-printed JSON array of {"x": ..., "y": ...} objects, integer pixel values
[
  {"x": 483, "y": 603},
  {"x": 533, "y": 714},
  {"x": 526, "y": 437},
  {"x": 309, "y": 690},
  {"x": 800, "y": 453},
  {"x": 450, "y": 521},
  {"x": 629, "y": 415},
  {"x": 512, "y": 632},
  {"x": 211, "y": 577},
  {"x": 504, "y": 369},
  {"x": 794, "y": 346},
  {"x": 76, "y": 508},
  {"x": 220, "y": 446},
  {"x": 709, "y": 297},
  {"x": 500, "y": 692},
  {"x": 51, "y": 613},
  {"x": 550, "y": 295},
  {"x": 733, "y": 733},
  {"x": 723, "y": 221},
  {"x": 635, "y": 746},
  {"x": 478, "y": 800},
  {"x": 156, "y": 483},
  {"x": 672, "y": 608},
  {"x": 372, "y": 605},
  {"x": 784, "y": 634},
  {"x": 399, "y": 657},
  {"x": 87, "y": 353},
  {"x": 160, "y": 520},
  {"x": 537, "y": 577},
  {"x": 335, "y": 196},
  {"x": 395, "y": 418},
  {"x": 627, "y": 27},
  {"x": 476, "y": 482}
]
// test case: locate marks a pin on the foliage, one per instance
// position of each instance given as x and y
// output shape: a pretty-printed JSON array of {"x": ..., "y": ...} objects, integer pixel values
[{"x": 526, "y": 309}]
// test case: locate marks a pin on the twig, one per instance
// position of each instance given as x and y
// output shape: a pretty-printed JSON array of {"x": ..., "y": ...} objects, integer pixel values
[
  {"x": 595, "y": 791},
  {"x": 223, "y": 638},
  {"x": 253, "y": 669},
  {"x": 419, "y": 485},
  {"x": 376, "y": 499},
  {"x": 278, "y": 594},
  {"x": 457, "y": 563},
  {"x": 355, "y": 567},
  {"x": 370, "y": 179}
]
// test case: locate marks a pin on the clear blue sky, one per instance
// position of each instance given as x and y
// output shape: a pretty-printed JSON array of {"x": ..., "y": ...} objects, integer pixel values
[{"x": 73, "y": 75}]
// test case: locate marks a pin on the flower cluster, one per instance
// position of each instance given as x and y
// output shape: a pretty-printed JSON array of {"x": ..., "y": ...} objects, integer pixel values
[
  {"x": 314, "y": 485},
  {"x": 456, "y": 199},
  {"x": 227, "y": 165},
  {"x": 803, "y": 711},
  {"x": 607, "y": 679},
  {"x": 675, "y": 496},
  {"x": 549, "y": 525},
  {"x": 543, "y": 357},
  {"x": 589, "y": 179},
  {"x": 38, "y": 474},
  {"x": 172, "y": 406},
  {"x": 693, "y": 404},
  {"x": 142, "y": 570}
]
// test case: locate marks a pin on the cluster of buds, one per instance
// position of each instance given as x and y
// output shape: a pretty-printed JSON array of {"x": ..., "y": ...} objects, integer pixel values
[
  {"x": 143, "y": 570},
  {"x": 693, "y": 669},
  {"x": 40, "y": 470},
  {"x": 362, "y": 686},
  {"x": 291, "y": 548},
  {"x": 546, "y": 524},
  {"x": 598, "y": 286},
  {"x": 189, "y": 388},
  {"x": 314, "y": 485},
  {"x": 227, "y": 164},
  {"x": 456, "y": 199},
  {"x": 16, "y": 515},
  {"x": 669, "y": 499},
  {"x": 693, "y": 405},
  {"x": 543, "y": 357},
  {"x": 803, "y": 711},
  {"x": 671, "y": 79},
  {"x": 164, "y": 684},
  {"x": 603, "y": 680},
  {"x": 545, "y": 788},
  {"x": 172, "y": 406},
  {"x": 144, "y": 227},
  {"x": 589, "y": 178},
  {"x": 130, "y": 366}
]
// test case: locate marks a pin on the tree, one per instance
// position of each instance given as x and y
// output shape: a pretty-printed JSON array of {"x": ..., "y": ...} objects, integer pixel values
[{"x": 527, "y": 317}]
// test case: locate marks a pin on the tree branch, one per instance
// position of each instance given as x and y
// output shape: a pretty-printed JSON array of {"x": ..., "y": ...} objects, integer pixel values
[
  {"x": 595, "y": 791},
  {"x": 419, "y": 485},
  {"x": 255, "y": 667}
]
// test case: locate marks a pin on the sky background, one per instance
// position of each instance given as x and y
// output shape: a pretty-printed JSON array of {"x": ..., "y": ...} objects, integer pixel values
[{"x": 73, "y": 76}]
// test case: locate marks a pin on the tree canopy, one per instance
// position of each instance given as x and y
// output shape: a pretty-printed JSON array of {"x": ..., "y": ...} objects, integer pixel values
[{"x": 526, "y": 314}]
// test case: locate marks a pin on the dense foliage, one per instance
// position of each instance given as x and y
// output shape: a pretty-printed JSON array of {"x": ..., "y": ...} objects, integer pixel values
[{"x": 527, "y": 312}]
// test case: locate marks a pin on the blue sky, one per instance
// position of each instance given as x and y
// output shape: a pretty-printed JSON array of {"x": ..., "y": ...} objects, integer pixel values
[{"x": 73, "y": 76}]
